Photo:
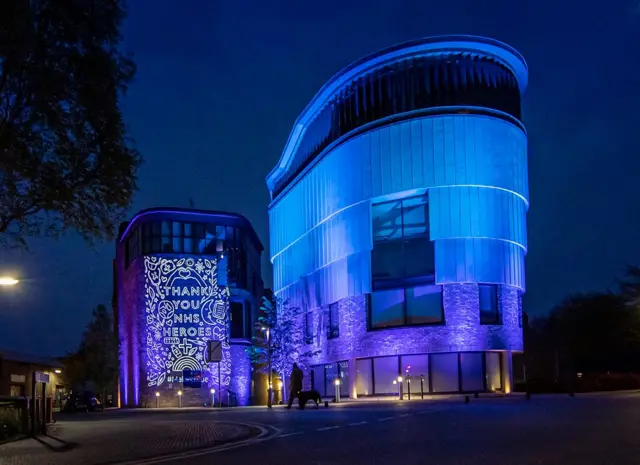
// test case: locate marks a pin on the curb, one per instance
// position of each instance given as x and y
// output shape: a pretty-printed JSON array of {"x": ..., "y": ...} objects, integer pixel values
[{"x": 260, "y": 433}]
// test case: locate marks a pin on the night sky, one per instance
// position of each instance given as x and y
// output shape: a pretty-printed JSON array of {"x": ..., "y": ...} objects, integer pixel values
[{"x": 220, "y": 83}]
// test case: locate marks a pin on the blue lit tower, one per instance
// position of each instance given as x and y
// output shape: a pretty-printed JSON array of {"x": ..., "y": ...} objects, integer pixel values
[{"x": 398, "y": 219}]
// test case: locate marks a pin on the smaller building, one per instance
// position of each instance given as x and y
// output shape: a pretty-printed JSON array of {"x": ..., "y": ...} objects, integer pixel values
[
  {"x": 16, "y": 375},
  {"x": 183, "y": 279}
]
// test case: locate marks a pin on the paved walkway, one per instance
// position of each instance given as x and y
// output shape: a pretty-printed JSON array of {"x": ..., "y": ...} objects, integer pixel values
[{"x": 116, "y": 440}]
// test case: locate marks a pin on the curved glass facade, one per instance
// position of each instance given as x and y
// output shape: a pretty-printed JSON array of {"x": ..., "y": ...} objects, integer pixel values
[
  {"x": 453, "y": 80},
  {"x": 399, "y": 217}
]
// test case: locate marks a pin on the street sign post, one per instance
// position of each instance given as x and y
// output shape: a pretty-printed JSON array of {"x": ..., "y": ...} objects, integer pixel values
[{"x": 214, "y": 355}]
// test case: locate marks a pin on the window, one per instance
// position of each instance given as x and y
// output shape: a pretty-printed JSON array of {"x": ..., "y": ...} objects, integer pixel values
[
  {"x": 418, "y": 305},
  {"x": 236, "y": 312},
  {"x": 401, "y": 248},
  {"x": 308, "y": 328},
  {"x": 333, "y": 326},
  {"x": 489, "y": 308}
]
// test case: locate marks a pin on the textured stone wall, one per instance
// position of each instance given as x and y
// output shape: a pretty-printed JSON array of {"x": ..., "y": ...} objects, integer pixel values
[
  {"x": 461, "y": 332},
  {"x": 240, "y": 372}
]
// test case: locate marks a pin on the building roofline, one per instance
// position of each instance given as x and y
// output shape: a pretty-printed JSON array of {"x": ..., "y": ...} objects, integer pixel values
[
  {"x": 506, "y": 54},
  {"x": 244, "y": 222}
]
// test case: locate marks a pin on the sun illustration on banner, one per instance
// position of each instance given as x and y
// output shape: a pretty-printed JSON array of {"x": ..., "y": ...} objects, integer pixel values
[{"x": 185, "y": 308}]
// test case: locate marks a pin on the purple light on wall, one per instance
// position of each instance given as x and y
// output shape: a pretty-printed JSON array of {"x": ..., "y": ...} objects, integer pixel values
[{"x": 240, "y": 373}]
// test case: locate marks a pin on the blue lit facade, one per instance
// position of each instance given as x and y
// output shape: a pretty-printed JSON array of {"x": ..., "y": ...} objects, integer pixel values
[
  {"x": 183, "y": 278},
  {"x": 398, "y": 219}
]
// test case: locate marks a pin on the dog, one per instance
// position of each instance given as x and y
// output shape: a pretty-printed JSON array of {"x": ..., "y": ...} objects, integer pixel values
[{"x": 306, "y": 396}]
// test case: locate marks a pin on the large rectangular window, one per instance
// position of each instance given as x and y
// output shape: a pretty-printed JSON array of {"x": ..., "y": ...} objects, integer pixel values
[
  {"x": 237, "y": 317},
  {"x": 333, "y": 324},
  {"x": 418, "y": 305},
  {"x": 308, "y": 328},
  {"x": 401, "y": 247},
  {"x": 489, "y": 308}
]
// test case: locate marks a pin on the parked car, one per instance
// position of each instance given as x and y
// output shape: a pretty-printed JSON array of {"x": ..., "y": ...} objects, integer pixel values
[{"x": 82, "y": 402}]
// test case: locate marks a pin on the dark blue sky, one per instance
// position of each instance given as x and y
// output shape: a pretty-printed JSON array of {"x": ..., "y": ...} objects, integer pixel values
[{"x": 220, "y": 83}]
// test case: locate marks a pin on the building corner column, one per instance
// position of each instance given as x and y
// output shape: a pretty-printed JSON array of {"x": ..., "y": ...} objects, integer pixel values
[
  {"x": 353, "y": 373},
  {"x": 507, "y": 371}
]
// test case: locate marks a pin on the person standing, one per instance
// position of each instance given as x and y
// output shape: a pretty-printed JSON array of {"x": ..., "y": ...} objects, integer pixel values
[{"x": 295, "y": 385}]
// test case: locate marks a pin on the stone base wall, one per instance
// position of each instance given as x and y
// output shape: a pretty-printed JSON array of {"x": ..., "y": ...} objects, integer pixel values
[{"x": 461, "y": 332}]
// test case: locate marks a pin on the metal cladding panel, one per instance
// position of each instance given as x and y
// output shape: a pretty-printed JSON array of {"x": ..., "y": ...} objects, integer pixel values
[
  {"x": 484, "y": 212},
  {"x": 475, "y": 169},
  {"x": 447, "y": 151},
  {"x": 480, "y": 261},
  {"x": 347, "y": 276},
  {"x": 341, "y": 235}
]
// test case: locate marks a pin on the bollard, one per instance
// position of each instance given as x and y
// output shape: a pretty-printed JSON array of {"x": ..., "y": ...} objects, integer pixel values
[
  {"x": 326, "y": 404},
  {"x": 157, "y": 400},
  {"x": 475, "y": 395},
  {"x": 466, "y": 399},
  {"x": 422, "y": 386},
  {"x": 408, "y": 388}
]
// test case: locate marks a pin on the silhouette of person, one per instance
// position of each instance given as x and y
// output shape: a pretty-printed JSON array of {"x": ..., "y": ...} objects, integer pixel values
[{"x": 295, "y": 385}]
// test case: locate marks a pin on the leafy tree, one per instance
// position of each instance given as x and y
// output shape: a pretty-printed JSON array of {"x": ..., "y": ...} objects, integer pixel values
[
  {"x": 97, "y": 358},
  {"x": 65, "y": 159},
  {"x": 630, "y": 286},
  {"x": 594, "y": 333},
  {"x": 286, "y": 335}
]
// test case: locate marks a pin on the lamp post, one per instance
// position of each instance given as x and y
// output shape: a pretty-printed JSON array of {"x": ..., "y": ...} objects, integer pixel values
[
  {"x": 213, "y": 397},
  {"x": 179, "y": 399},
  {"x": 8, "y": 281},
  {"x": 400, "y": 387},
  {"x": 157, "y": 400},
  {"x": 270, "y": 389},
  {"x": 337, "y": 385}
]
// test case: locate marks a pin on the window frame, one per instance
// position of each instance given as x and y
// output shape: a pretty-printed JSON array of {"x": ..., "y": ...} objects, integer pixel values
[
  {"x": 333, "y": 327},
  {"x": 308, "y": 327},
  {"x": 369, "y": 305},
  {"x": 497, "y": 321}
]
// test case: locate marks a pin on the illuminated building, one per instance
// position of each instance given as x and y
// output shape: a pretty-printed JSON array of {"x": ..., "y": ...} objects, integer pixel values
[
  {"x": 183, "y": 278},
  {"x": 398, "y": 219}
]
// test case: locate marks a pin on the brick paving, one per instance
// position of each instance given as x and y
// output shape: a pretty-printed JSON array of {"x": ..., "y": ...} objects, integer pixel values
[{"x": 116, "y": 440}]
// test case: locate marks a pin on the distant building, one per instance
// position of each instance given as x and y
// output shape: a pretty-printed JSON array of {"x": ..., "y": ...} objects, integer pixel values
[
  {"x": 16, "y": 375},
  {"x": 398, "y": 219},
  {"x": 183, "y": 278}
]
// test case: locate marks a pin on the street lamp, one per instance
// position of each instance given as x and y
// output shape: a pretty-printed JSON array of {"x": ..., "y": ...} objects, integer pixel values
[
  {"x": 8, "y": 281},
  {"x": 270, "y": 389},
  {"x": 337, "y": 385},
  {"x": 157, "y": 399},
  {"x": 179, "y": 399},
  {"x": 213, "y": 397}
]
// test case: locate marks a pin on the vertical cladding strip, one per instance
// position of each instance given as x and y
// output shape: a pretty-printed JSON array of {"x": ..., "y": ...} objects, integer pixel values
[{"x": 462, "y": 158}]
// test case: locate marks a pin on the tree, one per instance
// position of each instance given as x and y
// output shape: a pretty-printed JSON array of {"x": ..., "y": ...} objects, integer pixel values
[
  {"x": 65, "y": 159},
  {"x": 595, "y": 333},
  {"x": 286, "y": 336},
  {"x": 630, "y": 286},
  {"x": 97, "y": 358}
]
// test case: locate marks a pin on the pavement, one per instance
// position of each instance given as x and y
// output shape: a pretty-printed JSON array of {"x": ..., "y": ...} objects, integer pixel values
[
  {"x": 107, "y": 439},
  {"x": 547, "y": 430}
]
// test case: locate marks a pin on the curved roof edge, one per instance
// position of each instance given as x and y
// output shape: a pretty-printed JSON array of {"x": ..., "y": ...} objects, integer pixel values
[
  {"x": 508, "y": 55},
  {"x": 163, "y": 211}
]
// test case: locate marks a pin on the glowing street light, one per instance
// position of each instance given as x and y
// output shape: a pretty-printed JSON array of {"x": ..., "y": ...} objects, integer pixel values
[
  {"x": 179, "y": 399},
  {"x": 213, "y": 397},
  {"x": 8, "y": 281},
  {"x": 157, "y": 399},
  {"x": 270, "y": 390}
]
